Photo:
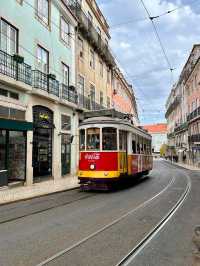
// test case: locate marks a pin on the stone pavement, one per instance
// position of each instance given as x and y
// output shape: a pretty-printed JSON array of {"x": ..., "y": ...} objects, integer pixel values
[
  {"x": 8, "y": 194},
  {"x": 186, "y": 166}
]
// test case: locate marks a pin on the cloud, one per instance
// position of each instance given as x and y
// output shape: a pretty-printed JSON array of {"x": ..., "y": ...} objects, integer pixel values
[{"x": 139, "y": 52}]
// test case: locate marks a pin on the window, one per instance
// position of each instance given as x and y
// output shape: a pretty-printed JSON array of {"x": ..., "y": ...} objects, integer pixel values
[
  {"x": 101, "y": 68},
  {"x": 92, "y": 59},
  {"x": 108, "y": 75},
  {"x": 9, "y": 94},
  {"x": 109, "y": 139},
  {"x": 3, "y": 92},
  {"x": 134, "y": 148},
  {"x": 65, "y": 74},
  {"x": 92, "y": 96},
  {"x": 14, "y": 95},
  {"x": 93, "y": 139},
  {"x": 82, "y": 140},
  {"x": 80, "y": 47},
  {"x": 43, "y": 10},
  {"x": 122, "y": 140},
  {"x": 99, "y": 31},
  {"x": 106, "y": 41},
  {"x": 8, "y": 38},
  {"x": 90, "y": 18},
  {"x": 101, "y": 98},
  {"x": 81, "y": 84},
  {"x": 2, "y": 149},
  {"x": 108, "y": 102},
  {"x": 64, "y": 31},
  {"x": 42, "y": 59},
  {"x": 65, "y": 122}
]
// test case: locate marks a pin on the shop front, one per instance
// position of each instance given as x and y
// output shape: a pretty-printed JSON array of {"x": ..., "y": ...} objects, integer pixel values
[
  {"x": 42, "y": 142},
  {"x": 13, "y": 150}
]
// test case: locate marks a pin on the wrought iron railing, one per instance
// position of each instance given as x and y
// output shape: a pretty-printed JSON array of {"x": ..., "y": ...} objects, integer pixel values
[
  {"x": 90, "y": 32},
  {"x": 193, "y": 114},
  {"x": 44, "y": 82},
  {"x": 13, "y": 69},
  {"x": 69, "y": 93}
]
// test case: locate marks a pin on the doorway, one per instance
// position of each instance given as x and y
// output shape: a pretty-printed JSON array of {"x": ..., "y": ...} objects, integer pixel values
[
  {"x": 42, "y": 141},
  {"x": 66, "y": 153}
]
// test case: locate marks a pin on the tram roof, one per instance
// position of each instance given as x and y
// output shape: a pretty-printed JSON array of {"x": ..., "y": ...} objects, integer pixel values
[{"x": 111, "y": 117}]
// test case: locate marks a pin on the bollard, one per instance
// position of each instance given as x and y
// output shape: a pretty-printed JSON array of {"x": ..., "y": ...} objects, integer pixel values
[{"x": 196, "y": 241}]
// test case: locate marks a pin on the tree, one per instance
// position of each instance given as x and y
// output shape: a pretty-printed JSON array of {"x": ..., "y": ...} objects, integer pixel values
[{"x": 163, "y": 150}]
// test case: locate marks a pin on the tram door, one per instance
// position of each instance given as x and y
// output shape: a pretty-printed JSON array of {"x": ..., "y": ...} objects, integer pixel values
[{"x": 123, "y": 151}]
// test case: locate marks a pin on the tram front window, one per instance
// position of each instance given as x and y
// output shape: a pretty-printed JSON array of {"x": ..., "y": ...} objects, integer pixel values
[
  {"x": 109, "y": 139},
  {"x": 82, "y": 140},
  {"x": 93, "y": 139}
]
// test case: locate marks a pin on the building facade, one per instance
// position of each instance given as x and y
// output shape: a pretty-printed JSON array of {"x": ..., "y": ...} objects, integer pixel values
[
  {"x": 52, "y": 69},
  {"x": 182, "y": 112},
  {"x": 38, "y": 102},
  {"x": 159, "y": 135}
]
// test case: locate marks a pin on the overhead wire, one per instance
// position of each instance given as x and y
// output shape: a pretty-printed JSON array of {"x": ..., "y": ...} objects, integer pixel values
[{"x": 153, "y": 17}]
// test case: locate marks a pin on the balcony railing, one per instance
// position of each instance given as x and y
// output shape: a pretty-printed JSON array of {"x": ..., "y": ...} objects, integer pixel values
[
  {"x": 44, "y": 82},
  {"x": 173, "y": 105},
  {"x": 181, "y": 127},
  {"x": 194, "y": 138},
  {"x": 193, "y": 114},
  {"x": 12, "y": 69},
  {"x": 69, "y": 94}
]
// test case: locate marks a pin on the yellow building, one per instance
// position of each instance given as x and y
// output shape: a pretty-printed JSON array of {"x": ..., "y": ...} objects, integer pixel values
[{"x": 94, "y": 61}]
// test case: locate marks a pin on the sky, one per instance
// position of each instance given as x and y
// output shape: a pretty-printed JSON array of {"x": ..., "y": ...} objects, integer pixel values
[{"x": 139, "y": 54}]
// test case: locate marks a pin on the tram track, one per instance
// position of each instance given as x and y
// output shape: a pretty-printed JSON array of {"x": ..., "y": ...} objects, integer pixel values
[
  {"x": 45, "y": 209},
  {"x": 128, "y": 259},
  {"x": 101, "y": 230}
]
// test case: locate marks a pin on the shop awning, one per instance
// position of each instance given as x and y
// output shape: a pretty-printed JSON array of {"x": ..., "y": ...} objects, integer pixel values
[{"x": 15, "y": 125}]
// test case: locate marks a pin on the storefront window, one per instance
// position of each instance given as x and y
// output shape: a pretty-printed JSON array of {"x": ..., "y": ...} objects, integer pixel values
[
  {"x": 93, "y": 139},
  {"x": 2, "y": 149},
  {"x": 109, "y": 139},
  {"x": 17, "y": 155},
  {"x": 82, "y": 140}
]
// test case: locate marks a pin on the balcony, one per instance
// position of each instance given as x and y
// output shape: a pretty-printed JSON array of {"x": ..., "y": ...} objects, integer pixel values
[
  {"x": 89, "y": 31},
  {"x": 170, "y": 135},
  {"x": 194, "y": 138},
  {"x": 193, "y": 114},
  {"x": 181, "y": 127},
  {"x": 173, "y": 105},
  {"x": 18, "y": 71},
  {"x": 85, "y": 102},
  {"x": 69, "y": 93},
  {"x": 45, "y": 82}
]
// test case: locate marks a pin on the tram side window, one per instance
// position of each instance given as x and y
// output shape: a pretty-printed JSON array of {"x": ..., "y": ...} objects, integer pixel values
[
  {"x": 82, "y": 140},
  {"x": 138, "y": 145},
  {"x": 109, "y": 139},
  {"x": 122, "y": 140},
  {"x": 93, "y": 139}
]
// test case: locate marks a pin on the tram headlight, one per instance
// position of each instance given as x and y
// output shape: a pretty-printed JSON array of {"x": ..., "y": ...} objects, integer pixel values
[{"x": 92, "y": 166}]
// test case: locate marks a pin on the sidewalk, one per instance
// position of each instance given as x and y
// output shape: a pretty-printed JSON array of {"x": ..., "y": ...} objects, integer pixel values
[
  {"x": 186, "y": 166},
  {"x": 38, "y": 189}
]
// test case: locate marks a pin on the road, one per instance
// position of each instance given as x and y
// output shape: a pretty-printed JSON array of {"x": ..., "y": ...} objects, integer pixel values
[{"x": 90, "y": 228}]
